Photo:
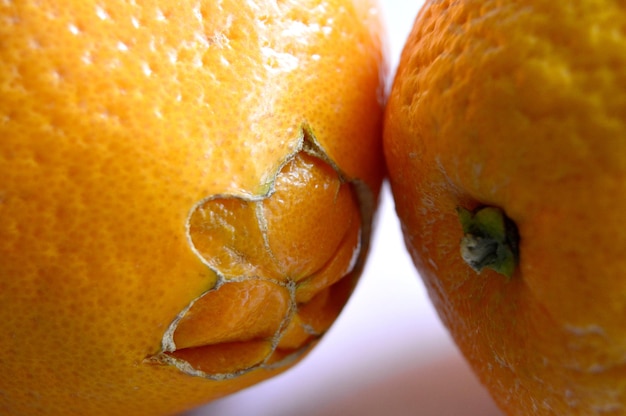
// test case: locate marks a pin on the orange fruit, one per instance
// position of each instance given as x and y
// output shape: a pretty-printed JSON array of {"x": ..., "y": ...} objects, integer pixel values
[
  {"x": 186, "y": 196},
  {"x": 504, "y": 138}
]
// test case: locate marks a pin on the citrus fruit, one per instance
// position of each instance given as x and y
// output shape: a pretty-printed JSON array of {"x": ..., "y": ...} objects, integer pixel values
[
  {"x": 504, "y": 136},
  {"x": 186, "y": 196}
]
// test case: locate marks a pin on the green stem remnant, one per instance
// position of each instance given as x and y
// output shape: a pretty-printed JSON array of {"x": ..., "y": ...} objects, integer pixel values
[{"x": 490, "y": 240}]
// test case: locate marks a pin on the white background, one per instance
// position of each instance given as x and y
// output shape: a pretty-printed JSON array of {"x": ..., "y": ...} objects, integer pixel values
[{"x": 387, "y": 354}]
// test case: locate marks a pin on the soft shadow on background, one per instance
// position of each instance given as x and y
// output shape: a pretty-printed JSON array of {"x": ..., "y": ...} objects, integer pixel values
[
  {"x": 388, "y": 353},
  {"x": 445, "y": 387}
]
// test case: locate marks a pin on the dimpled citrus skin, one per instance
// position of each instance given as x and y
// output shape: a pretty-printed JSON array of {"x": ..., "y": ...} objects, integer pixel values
[
  {"x": 133, "y": 133},
  {"x": 521, "y": 105}
]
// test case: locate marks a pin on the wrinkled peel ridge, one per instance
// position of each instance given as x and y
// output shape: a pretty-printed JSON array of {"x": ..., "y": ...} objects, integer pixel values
[{"x": 366, "y": 206}]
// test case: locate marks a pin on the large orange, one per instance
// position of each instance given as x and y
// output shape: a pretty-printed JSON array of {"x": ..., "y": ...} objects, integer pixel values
[
  {"x": 505, "y": 136},
  {"x": 186, "y": 191}
]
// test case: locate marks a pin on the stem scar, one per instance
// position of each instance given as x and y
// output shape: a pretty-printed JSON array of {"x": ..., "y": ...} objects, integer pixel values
[{"x": 490, "y": 240}]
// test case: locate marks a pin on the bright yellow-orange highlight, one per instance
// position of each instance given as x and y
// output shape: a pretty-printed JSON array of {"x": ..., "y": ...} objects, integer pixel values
[
  {"x": 521, "y": 105},
  {"x": 186, "y": 192}
]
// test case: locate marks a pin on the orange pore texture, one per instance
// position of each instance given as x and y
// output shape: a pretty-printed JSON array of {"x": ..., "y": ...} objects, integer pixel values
[
  {"x": 119, "y": 122},
  {"x": 521, "y": 105}
]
